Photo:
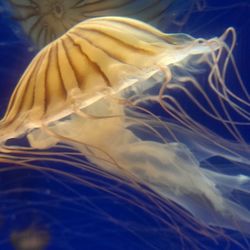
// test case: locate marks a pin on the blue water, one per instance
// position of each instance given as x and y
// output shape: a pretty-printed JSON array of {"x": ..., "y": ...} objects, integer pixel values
[{"x": 68, "y": 215}]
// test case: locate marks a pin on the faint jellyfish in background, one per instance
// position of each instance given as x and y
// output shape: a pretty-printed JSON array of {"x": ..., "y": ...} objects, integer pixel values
[
  {"x": 91, "y": 90},
  {"x": 44, "y": 21},
  {"x": 30, "y": 239},
  {"x": 179, "y": 14}
]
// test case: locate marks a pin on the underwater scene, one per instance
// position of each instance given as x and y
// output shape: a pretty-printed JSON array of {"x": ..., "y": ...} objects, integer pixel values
[{"x": 124, "y": 124}]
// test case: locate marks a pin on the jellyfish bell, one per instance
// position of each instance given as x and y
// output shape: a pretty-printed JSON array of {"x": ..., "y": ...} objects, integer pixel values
[
  {"x": 77, "y": 91},
  {"x": 104, "y": 70}
]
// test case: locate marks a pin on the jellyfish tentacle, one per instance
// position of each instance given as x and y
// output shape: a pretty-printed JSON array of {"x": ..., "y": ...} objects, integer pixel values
[{"x": 219, "y": 76}]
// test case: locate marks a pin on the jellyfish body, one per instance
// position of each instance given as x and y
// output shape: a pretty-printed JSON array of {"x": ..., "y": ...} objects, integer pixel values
[
  {"x": 105, "y": 69},
  {"x": 44, "y": 21},
  {"x": 83, "y": 90}
]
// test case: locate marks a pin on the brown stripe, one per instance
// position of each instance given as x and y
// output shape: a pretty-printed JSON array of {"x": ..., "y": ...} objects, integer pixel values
[
  {"x": 46, "y": 92},
  {"x": 104, "y": 51},
  {"x": 36, "y": 75},
  {"x": 36, "y": 90},
  {"x": 71, "y": 65},
  {"x": 95, "y": 66},
  {"x": 59, "y": 71},
  {"x": 126, "y": 22},
  {"x": 98, "y": 47},
  {"x": 129, "y": 46}
]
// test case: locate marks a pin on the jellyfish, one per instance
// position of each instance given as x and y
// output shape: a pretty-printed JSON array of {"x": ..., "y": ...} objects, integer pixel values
[
  {"x": 90, "y": 90},
  {"x": 44, "y": 21}
]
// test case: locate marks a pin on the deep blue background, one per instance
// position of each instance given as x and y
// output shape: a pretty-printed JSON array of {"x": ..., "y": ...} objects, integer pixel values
[{"x": 77, "y": 217}]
